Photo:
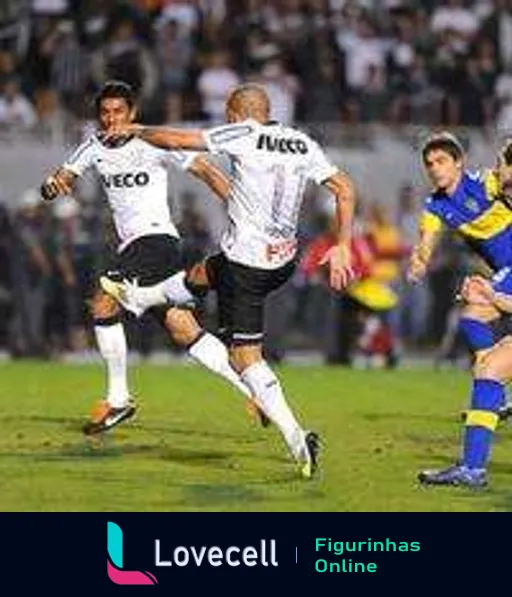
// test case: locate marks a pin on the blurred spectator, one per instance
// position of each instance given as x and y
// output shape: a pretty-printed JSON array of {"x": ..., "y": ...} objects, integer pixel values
[
  {"x": 504, "y": 99},
  {"x": 412, "y": 308},
  {"x": 498, "y": 29},
  {"x": 282, "y": 88},
  {"x": 364, "y": 55},
  {"x": 68, "y": 294},
  {"x": 453, "y": 15},
  {"x": 69, "y": 68},
  {"x": 50, "y": 7},
  {"x": 6, "y": 300},
  {"x": 258, "y": 47},
  {"x": 184, "y": 12},
  {"x": 286, "y": 21},
  {"x": 7, "y": 66},
  {"x": 125, "y": 57},
  {"x": 175, "y": 51},
  {"x": 91, "y": 22},
  {"x": 214, "y": 84},
  {"x": 16, "y": 111},
  {"x": 323, "y": 99},
  {"x": 31, "y": 270},
  {"x": 14, "y": 26},
  {"x": 213, "y": 11}
]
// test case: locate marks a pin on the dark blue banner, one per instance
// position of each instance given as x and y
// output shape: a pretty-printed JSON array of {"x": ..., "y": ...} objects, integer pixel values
[{"x": 238, "y": 553}]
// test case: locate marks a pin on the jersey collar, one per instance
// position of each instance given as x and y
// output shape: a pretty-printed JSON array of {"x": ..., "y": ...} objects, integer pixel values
[
  {"x": 440, "y": 194},
  {"x": 113, "y": 143}
]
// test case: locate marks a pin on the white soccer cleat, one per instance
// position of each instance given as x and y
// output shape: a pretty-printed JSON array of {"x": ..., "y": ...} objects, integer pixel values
[{"x": 126, "y": 294}]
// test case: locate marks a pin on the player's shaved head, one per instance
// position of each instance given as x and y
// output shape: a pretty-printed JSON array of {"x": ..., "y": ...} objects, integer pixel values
[{"x": 248, "y": 101}]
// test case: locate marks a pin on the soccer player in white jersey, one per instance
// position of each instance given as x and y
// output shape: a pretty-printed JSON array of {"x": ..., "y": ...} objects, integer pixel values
[
  {"x": 134, "y": 174},
  {"x": 271, "y": 165}
]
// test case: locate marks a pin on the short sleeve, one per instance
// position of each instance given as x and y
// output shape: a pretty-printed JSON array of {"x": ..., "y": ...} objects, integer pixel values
[
  {"x": 320, "y": 167},
  {"x": 182, "y": 159},
  {"x": 492, "y": 185},
  {"x": 232, "y": 139},
  {"x": 429, "y": 222},
  {"x": 81, "y": 158}
]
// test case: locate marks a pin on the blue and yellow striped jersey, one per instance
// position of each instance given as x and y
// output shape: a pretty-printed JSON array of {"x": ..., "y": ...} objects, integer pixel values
[{"x": 476, "y": 213}]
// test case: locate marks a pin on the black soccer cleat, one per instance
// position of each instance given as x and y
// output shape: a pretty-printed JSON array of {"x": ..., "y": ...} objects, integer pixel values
[
  {"x": 310, "y": 466},
  {"x": 505, "y": 412},
  {"x": 105, "y": 417}
]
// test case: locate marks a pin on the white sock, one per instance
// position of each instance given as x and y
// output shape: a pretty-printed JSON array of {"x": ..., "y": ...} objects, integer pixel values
[
  {"x": 112, "y": 346},
  {"x": 213, "y": 354},
  {"x": 172, "y": 290},
  {"x": 175, "y": 290},
  {"x": 264, "y": 384}
]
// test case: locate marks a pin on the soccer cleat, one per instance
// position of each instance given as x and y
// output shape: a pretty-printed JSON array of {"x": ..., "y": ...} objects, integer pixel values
[
  {"x": 505, "y": 412},
  {"x": 124, "y": 292},
  {"x": 457, "y": 475},
  {"x": 310, "y": 466},
  {"x": 255, "y": 412},
  {"x": 105, "y": 417}
]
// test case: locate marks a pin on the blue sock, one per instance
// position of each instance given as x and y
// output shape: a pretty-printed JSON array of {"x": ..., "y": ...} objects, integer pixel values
[
  {"x": 478, "y": 335},
  {"x": 481, "y": 421}
]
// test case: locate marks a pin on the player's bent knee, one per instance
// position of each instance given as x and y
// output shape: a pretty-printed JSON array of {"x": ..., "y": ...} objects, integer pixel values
[
  {"x": 182, "y": 326},
  {"x": 242, "y": 357},
  {"x": 495, "y": 365},
  {"x": 104, "y": 307}
]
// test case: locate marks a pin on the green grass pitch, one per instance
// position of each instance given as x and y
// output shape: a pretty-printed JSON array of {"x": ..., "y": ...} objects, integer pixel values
[{"x": 192, "y": 446}]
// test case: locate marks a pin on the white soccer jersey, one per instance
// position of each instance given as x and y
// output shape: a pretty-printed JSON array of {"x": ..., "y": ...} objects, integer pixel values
[
  {"x": 271, "y": 165},
  {"x": 134, "y": 177}
]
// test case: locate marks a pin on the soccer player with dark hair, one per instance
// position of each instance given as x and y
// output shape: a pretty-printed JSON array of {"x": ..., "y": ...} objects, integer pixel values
[
  {"x": 476, "y": 206},
  {"x": 134, "y": 176}
]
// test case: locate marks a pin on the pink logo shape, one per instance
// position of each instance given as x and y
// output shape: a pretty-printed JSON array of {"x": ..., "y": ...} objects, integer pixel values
[
  {"x": 115, "y": 570},
  {"x": 129, "y": 577}
]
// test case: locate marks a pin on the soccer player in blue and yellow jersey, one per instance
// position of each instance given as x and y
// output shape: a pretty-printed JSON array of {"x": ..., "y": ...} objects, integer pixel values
[{"x": 476, "y": 207}]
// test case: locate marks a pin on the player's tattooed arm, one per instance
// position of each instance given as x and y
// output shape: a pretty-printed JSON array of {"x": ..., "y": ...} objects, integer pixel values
[
  {"x": 212, "y": 176},
  {"x": 59, "y": 182},
  {"x": 339, "y": 257}
]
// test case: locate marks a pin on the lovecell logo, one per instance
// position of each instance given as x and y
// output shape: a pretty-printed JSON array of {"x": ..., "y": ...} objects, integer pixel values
[{"x": 115, "y": 561}]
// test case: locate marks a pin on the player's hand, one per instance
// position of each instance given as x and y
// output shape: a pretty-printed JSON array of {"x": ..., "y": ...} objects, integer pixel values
[
  {"x": 60, "y": 182},
  {"x": 416, "y": 270},
  {"x": 476, "y": 290},
  {"x": 339, "y": 260}
]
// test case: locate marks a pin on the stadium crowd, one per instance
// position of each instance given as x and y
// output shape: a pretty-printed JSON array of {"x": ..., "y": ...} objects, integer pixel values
[
  {"x": 321, "y": 60},
  {"x": 344, "y": 61}
]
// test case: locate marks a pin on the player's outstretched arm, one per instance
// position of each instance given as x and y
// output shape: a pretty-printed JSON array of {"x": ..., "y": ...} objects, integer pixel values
[
  {"x": 339, "y": 257},
  {"x": 59, "y": 182},
  {"x": 430, "y": 229},
  {"x": 211, "y": 175},
  {"x": 421, "y": 255},
  {"x": 166, "y": 138}
]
